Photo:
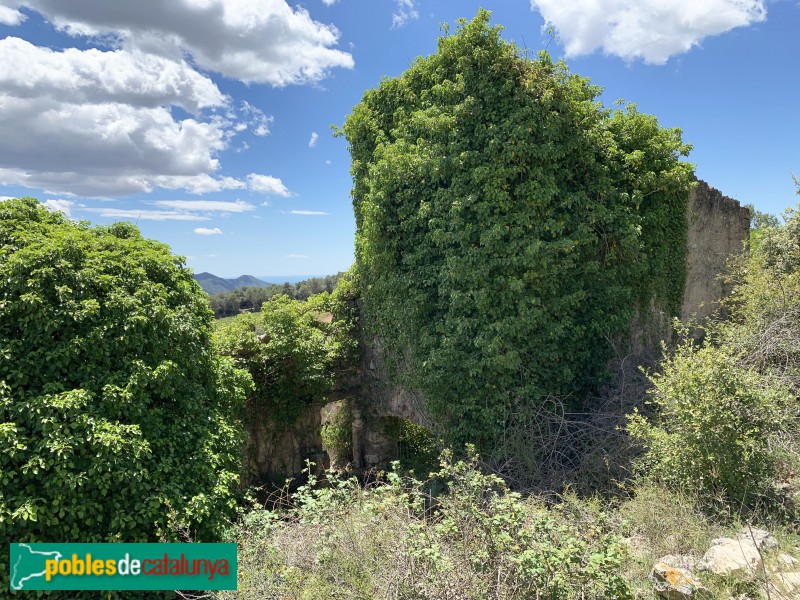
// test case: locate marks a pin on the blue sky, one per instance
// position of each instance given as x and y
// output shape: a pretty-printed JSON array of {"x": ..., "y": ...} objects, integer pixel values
[{"x": 207, "y": 122}]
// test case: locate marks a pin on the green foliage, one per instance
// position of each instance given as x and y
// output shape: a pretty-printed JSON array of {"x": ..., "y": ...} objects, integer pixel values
[
  {"x": 475, "y": 540},
  {"x": 508, "y": 225},
  {"x": 292, "y": 349},
  {"x": 417, "y": 449},
  {"x": 716, "y": 428},
  {"x": 114, "y": 411}
]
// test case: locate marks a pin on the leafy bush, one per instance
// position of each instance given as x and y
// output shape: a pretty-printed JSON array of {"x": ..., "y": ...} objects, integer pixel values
[
  {"x": 475, "y": 540},
  {"x": 508, "y": 225},
  {"x": 715, "y": 429},
  {"x": 115, "y": 414},
  {"x": 294, "y": 350}
]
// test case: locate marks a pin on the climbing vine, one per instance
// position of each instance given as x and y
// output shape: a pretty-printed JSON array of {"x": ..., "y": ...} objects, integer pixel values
[{"x": 507, "y": 225}]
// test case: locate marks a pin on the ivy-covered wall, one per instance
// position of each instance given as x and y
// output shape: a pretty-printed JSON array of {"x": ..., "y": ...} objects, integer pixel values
[{"x": 508, "y": 227}]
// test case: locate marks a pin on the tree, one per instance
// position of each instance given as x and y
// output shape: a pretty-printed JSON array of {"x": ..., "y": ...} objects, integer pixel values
[
  {"x": 508, "y": 226},
  {"x": 116, "y": 418},
  {"x": 294, "y": 351}
]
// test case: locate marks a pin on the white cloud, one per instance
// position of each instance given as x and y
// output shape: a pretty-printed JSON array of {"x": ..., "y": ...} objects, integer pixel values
[
  {"x": 95, "y": 77},
  {"x": 59, "y": 205},
  {"x": 98, "y": 123},
  {"x": 305, "y": 212},
  {"x": 9, "y": 16},
  {"x": 405, "y": 11},
  {"x": 257, "y": 119},
  {"x": 238, "y": 206},
  {"x": 4, "y": 198},
  {"x": 255, "y": 41},
  {"x": 266, "y": 184},
  {"x": 295, "y": 256},
  {"x": 147, "y": 215},
  {"x": 312, "y": 143},
  {"x": 329, "y": 2},
  {"x": 650, "y": 30},
  {"x": 207, "y": 231}
]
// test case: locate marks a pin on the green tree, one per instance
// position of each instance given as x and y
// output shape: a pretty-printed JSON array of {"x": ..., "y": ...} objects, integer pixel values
[
  {"x": 508, "y": 225},
  {"x": 115, "y": 414},
  {"x": 293, "y": 350}
]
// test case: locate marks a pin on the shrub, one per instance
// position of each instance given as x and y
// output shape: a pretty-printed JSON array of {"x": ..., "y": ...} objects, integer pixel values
[
  {"x": 715, "y": 429},
  {"x": 114, "y": 411},
  {"x": 475, "y": 540}
]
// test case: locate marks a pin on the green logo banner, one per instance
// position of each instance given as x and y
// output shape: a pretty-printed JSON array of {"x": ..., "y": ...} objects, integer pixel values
[{"x": 44, "y": 566}]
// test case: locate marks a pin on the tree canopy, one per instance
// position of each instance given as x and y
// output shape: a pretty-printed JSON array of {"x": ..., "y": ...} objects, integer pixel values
[
  {"x": 115, "y": 415},
  {"x": 508, "y": 225}
]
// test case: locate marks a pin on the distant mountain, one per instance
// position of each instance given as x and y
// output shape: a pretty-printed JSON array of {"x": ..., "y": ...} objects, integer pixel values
[{"x": 214, "y": 285}]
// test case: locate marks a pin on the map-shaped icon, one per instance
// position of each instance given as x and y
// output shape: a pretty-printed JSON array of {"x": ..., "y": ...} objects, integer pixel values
[{"x": 29, "y": 564}]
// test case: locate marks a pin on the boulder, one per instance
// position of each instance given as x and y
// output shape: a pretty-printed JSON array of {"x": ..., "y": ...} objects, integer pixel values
[
  {"x": 675, "y": 583},
  {"x": 679, "y": 561},
  {"x": 729, "y": 556}
]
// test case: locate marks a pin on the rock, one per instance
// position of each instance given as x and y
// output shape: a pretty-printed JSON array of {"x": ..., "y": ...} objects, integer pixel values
[
  {"x": 677, "y": 584},
  {"x": 787, "y": 585},
  {"x": 731, "y": 557},
  {"x": 679, "y": 561},
  {"x": 762, "y": 538},
  {"x": 787, "y": 560}
]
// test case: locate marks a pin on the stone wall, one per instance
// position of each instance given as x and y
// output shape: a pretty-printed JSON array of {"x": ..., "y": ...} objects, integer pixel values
[
  {"x": 275, "y": 451},
  {"x": 718, "y": 228}
]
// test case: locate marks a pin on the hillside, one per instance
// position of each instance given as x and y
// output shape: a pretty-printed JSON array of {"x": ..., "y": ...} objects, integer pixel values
[{"x": 212, "y": 284}]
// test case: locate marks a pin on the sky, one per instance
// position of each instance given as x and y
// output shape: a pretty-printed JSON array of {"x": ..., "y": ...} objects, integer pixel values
[{"x": 208, "y": 122}]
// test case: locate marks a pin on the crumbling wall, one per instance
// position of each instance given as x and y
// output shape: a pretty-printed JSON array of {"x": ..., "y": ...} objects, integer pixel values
[
  {"x": 718, "y": 228},
  {"x": 277, "y": 451}
]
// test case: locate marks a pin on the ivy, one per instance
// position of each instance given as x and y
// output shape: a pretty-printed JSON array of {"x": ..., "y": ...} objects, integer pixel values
[{"x": 508, "y": 226}]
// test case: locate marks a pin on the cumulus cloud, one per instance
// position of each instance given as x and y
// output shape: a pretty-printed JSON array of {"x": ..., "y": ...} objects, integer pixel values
[
  {"x": 255, "y": 41},
  {"x": 93, "y": 76},
  {"x": 207, "y": 231},
  {"x": 650, "y": 30},
  {"x": 405, "y": 11},
  {"x": 256, "y": 119},
  {"x": 329, "y": 2},
  {"x": 59, "y": 205},
  {"x": 306, "y": 212},
  {"x": 312, "y": 143},
  {"x": 266, "y": 184},
  {"x": 10, "y": 16},
  {"x": 99, "y": 123}
]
